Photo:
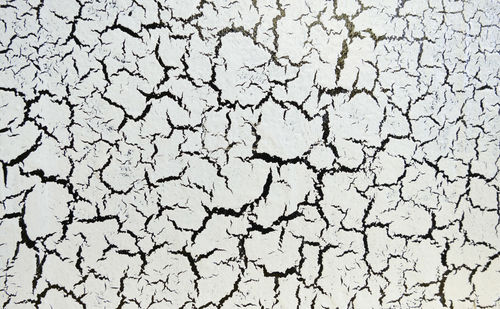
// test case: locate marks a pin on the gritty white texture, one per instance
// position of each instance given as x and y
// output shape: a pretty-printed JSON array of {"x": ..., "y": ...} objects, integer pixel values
[{"x": 250, "y": 154}]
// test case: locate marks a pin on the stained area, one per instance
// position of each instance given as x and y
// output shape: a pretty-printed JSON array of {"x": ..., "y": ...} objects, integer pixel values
[{"x": 249, "y": 154}]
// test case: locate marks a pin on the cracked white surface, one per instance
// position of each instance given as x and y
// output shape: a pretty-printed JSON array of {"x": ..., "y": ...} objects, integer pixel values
[{"x": 250, "y": 154}]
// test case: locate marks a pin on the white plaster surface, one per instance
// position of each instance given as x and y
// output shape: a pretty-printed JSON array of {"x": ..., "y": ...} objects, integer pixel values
[{"x": 250, "y": 154}]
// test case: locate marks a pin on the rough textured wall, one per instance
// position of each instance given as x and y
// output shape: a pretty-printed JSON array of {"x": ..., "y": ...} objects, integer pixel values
[{"x": 249, "y": 154}]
